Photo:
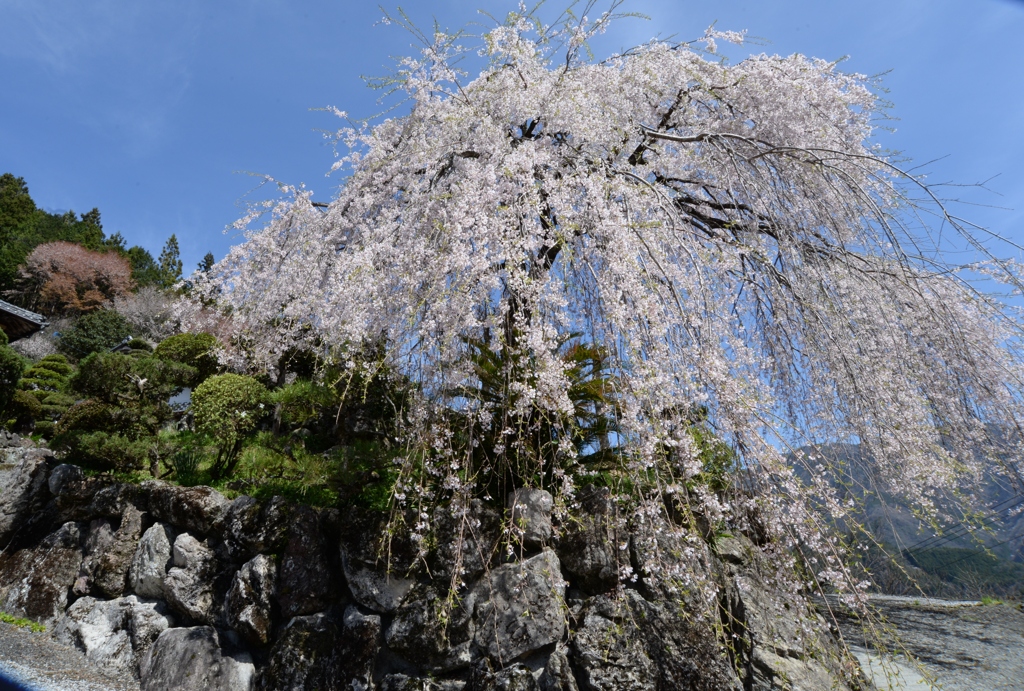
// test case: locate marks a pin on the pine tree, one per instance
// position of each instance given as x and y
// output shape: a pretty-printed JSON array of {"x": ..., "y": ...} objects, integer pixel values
[
  {"x": 207, "y": 264},
  {"x": 170, "y": 263}
]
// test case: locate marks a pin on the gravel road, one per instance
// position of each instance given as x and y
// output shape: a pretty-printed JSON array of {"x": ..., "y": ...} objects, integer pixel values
[
  {"x": 958, "y": 646},
  {"x": 39, "y": 663}
]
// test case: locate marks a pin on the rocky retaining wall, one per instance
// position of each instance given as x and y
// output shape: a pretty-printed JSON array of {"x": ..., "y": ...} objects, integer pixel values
[{"x": 188, "y": 590}]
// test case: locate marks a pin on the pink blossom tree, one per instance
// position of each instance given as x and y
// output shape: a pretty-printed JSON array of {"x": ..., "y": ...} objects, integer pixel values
[
  {"x": 728, "y": 239},
  {"x": 65, "y": 278}
]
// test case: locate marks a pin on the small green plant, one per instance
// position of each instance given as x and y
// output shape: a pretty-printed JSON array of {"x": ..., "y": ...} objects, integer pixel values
[
  {"x": 21, "y": 622},
  {"x": 185, "y": 463},
  {"x": 987, "y": 601}
]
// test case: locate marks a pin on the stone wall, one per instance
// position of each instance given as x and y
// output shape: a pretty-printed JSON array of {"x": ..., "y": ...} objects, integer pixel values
[{"x": 188, "y": 590}]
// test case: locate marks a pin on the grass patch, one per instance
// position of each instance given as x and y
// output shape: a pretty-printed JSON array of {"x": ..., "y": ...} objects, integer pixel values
[{"x": 21, "y": 622}]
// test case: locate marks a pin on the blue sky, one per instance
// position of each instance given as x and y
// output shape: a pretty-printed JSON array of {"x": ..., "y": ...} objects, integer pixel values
[{"x": 155, "y": 111}]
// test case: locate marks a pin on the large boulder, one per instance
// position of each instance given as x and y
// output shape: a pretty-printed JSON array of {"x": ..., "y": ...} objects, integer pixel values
[
  {"x": 467, "y": 543},
  {"x": 252, "y": 527},
  {"x": 248, "y": 603},
  {"x": 191, "y": 659},
  {"x": 36, "y": 582},
  {"x": 321, "y": 652},
  {"x": 151, "y": 560},
  {"x": 195, "y": 510},
  {"x": 377, "y": 582},
  {"x": 557, "y": 674},
  {"x": 306, "y": 581},
  {"x": 62, "y": 476},
  {"x": 113, "y": 633},
  {"x": 83, "y": 498},
  {"x": 518, "y": 607},
  {"x": 781, "y": 639},
  {"x": 589, "y": 546},
  {"x": 627, "y": 641},
  {"x": 530, "y": 511},
  {"x": 188, "y": 585},
  {"x": 433, "y": 632},
  {"x": 96, "y": 539},
  {"x": 23, "y": 488},
  {"x": 374, "y": 589},
  {"x": 608, "y": 654},
  {"x": 106, "y": 565}
]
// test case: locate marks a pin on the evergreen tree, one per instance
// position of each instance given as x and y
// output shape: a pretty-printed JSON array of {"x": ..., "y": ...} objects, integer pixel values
[
  {"x": 207, "y": 263},
  {"x": 145, "y": 270},
  {"x": 170, "y": 263},
  {"x": 16, "y": 206}
]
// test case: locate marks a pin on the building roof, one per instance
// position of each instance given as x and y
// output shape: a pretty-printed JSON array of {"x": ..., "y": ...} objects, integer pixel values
[{"x": 18, "y": 322}]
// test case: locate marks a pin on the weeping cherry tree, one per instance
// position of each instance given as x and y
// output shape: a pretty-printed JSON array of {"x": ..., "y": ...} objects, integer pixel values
[{"x": 662, "y": 271}]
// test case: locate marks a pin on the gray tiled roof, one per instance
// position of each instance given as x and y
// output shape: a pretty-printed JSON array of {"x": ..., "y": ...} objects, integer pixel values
[{"x": 18, "y": 322}]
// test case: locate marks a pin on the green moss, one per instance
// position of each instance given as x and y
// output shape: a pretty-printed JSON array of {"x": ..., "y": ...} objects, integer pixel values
[{"x": 21, "y": 622}]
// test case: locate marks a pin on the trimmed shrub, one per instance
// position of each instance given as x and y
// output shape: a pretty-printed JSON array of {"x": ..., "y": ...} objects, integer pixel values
[
  {"x": 109, "y": 451},
  {"x": 94, "y": 332},
  {"x": 23, "y": 410},
  {"x": 198, "y": 350},
  {"x": 139, "y": 344},
  {"x": 134, "y": 379},
  {"x": 88, "y": 415},
  {"x": 11, "y": 369},
  {"x": 227, "y": 407},
  {"x": 103, "y": 376},
  {"x": 47, "y": 382}
]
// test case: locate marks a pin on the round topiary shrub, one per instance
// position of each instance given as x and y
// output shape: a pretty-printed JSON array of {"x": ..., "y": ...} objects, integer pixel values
[
  {"x": 88, "y": 415},
  {"x": 97, "y": 331},
  {"x": 227, "y": 407},
  {"x": 198, "y": 350}
]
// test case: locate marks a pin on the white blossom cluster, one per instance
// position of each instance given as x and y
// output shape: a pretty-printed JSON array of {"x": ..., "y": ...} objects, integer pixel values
[{"x": 727, "y": 233}]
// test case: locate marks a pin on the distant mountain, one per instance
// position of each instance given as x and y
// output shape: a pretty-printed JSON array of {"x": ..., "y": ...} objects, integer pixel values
[{"x": 982, "y": 555}]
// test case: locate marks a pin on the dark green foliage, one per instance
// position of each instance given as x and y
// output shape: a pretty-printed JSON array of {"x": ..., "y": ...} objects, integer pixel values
[
  {"x": 47, "y": 382},
  {"x": 228, "y": 407},
  {"x": 107, "y": 451},
  {"x": 185, "y": 463},
  {"x": 103, "y": 376},
  {"x": 16, "y": 205},
  {"x": 23, "y": 410},
  {"x": 126, "y": 409},
  {"x": 139, "y": 378},
  {"x": 139, "y": 344},
  {"x": 971, "y": 568},
  {"x": 207, "y": 263},
  {"x": 517, "y": 443},
  {"x": 145, "y": 270},
  {"x": 717, "y": 458},
  {"x": 197, "y": 350},
  {"x": 89, "y": 415},
  {"x": 94, "y": 332},
  {"x": 11, "y": 369},
  {"x": 170, "y": 263},
  {"x": 304, "y": 404},
  {"x": 23, "y": 226}
]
